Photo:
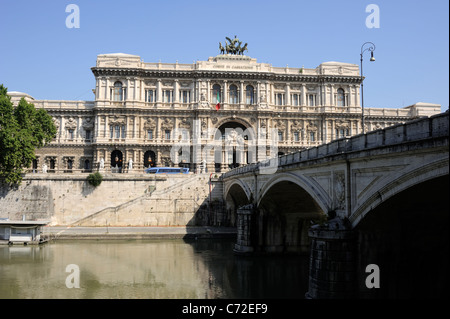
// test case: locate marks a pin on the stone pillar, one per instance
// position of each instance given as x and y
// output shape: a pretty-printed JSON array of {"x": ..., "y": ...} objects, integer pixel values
[
  {"x": 287, "y": 100},
  {"x": 158, "y": 91},
  {"x": 225, "y": 92},
  {"x": 244, "y": 230},
  {"x": 241, "y": 94},
  {"x": 332, "y": 273},
  {"x": 304, "y": 102}
]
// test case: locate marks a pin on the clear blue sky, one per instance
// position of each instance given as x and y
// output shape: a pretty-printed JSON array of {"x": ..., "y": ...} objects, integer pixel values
[{"x": 39, "y": 55}]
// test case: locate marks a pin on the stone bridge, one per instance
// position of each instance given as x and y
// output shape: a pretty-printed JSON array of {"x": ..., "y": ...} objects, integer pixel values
[{"x": 350, "y": 203}]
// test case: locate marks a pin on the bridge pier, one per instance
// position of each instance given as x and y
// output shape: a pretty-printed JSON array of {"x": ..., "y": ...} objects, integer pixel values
[
  {"x": 332, "y": 273},
  {"x": 245, "y": 216}
]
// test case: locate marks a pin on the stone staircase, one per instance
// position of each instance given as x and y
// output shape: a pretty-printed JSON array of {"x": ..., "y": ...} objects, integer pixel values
[{"x": 149, "y": 208}]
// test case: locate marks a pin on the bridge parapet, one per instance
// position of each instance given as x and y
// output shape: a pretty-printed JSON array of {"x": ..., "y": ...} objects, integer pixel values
[{"x": 419, "y": 129}]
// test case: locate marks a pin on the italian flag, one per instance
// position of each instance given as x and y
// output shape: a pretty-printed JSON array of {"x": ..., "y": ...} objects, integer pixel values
[{"x": 218, "y": 101}]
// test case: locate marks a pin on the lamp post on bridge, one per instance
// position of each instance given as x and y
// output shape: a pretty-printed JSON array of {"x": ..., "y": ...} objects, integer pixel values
[{"x": 371, "y": 48}]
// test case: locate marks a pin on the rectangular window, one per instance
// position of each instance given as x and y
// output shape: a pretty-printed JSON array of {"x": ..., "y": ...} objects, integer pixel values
[
  {"x": 250, "y": 96},
  {"x": 295, "y": 99},
  {"x": 70, "y": 134},
  {"x": 343, "y": 132},
  {"x": 312, "y": 136},
  {"x": 185, "y": 96},
  {"x": 167, "y": 134},
  {"x": 280, "y": 99},
  {"x": 280, "y": 136},
  {"x": 167, "y": 96},
  {"x": 296, "y": 137},
  {"x": 150, "y": 96},
  {"x": 150, "y": 134},
  {"x": 88, "y": 134},
  {"x": 117, "y": 131},
  {"x": 111, "y": 131},
  {"x": 124, "y": 131},
  {"x": 312, "y": 99}
]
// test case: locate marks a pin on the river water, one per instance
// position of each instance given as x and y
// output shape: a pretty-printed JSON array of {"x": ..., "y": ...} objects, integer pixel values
[{"x": 147, "y": 269}]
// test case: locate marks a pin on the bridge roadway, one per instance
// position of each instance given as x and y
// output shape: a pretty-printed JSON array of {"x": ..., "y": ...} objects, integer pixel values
[{"x": 366, "y": 196}]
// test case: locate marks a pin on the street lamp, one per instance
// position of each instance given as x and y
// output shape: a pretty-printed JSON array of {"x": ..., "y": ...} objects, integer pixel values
[{"x": 371, "y": 48}]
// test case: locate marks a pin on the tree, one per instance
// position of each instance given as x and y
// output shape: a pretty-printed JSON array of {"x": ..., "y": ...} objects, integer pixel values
[
  {"x": 95, "y": 179},
  {"x": 23, "y": 129}
]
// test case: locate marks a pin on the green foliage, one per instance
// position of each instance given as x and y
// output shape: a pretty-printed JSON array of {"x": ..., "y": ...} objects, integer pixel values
[
  {"x": 95, "y": 179},
  {"x": 23, "y": 129}
]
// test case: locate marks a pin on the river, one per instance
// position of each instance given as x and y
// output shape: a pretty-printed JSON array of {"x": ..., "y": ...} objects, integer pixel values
[{"x": 147, "y": 269}]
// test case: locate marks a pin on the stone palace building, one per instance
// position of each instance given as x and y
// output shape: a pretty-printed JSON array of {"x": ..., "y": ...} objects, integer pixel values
[{"x": 161, "y": 114}]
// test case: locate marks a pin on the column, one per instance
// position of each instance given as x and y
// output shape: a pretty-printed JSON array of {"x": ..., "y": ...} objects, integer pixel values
[
  {"x": 208, "y": 90},
  {"x": 304, "y": 102},
  {"x": 192, "y": 89},
  {"x": 127, "y": 94},
  {"x": 241, "y": 93},
  {"x": 288, "y": 94},
  {"x": 258, "y": 92},
  {"x": 332, "y": 101},
  {"x": 158, "y": 91},
  {"x": 225, "y": 92},
  {"x": 107, "y": 89},
  {"x": 176, "y": 91},
  {"x": 142, "y": 96},
  {"x": 350, "y": 94},
  {"x": 135, "y": 97}
]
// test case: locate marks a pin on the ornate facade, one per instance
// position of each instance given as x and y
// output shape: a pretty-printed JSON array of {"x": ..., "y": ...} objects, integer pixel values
[{"x": 159, "y": 114}]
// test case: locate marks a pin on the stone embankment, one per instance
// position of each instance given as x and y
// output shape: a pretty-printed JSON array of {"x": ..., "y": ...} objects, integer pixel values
[{"x": 120, "y": 200}]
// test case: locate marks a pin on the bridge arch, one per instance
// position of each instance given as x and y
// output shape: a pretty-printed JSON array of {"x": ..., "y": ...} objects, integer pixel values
[
  {"x": 313, "y": 189},
  {"x": 406, "y": 236},
  {"x": 285, "y": 210},
  {"x": 236, "y": 194},
  {"x": 396, "y": 183}
]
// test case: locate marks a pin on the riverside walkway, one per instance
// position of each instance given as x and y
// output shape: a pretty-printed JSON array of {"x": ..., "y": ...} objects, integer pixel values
[{"x": 107, "y": 232}]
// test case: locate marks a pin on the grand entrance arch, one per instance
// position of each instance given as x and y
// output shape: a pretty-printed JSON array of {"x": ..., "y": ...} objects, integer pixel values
[{"x": 236, "y": 140}]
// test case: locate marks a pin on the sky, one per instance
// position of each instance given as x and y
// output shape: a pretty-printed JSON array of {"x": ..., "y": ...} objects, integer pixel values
[{"x": 41, "y": 56}]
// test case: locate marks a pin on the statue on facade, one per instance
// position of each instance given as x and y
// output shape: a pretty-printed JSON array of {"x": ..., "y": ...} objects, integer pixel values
[
  {"x": 44, "y": 168},
  {"x": 130, "y": 164},
  {"x": 102, "y": 163}
]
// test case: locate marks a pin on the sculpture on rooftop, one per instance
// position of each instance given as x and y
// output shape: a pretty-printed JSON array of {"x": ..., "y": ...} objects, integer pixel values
[{"x": 234, "y": 46}]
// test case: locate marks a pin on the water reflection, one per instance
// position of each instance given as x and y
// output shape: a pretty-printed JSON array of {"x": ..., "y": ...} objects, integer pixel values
[{"x": 149, "y": 269}]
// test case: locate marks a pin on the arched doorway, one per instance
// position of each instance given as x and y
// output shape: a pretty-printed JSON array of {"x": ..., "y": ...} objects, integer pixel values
[
  {"x": 116, "y": 161},
  {"x": 149, "y": 159},
  {"x": 234, "y": 151}
]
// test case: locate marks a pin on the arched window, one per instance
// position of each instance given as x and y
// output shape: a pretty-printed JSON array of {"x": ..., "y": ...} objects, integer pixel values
[
  {"x": 216, "y": 94},
  {"x": 249, "y": 94},
  {"x": 233, "y": 94},
  {"x": 340, "y": 97},
  {"x": 118, "y": 91}
]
